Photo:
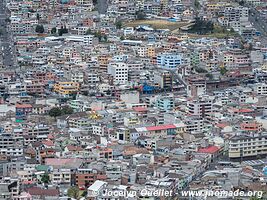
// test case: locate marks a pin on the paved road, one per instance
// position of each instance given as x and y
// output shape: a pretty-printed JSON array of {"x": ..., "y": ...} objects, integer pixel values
[
  {"x": 258, "y": 22},
  {"x": 102, "y": 6},
  {"x": 6, "y": 40}
]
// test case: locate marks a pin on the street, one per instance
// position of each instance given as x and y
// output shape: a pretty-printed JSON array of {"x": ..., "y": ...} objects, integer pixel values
[
  {"x": 258, "y": 22},
  {"x": 6, "y": 40},
  {"x": 102, "y": 6}
]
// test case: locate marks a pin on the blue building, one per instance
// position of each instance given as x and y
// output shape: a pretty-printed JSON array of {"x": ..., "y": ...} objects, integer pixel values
[
  {"x": 120, "y": 58},
  {"x": 147, "y": 89},
  {"x": 165, "y": 103},
  {"x": 169, "y": 61}
]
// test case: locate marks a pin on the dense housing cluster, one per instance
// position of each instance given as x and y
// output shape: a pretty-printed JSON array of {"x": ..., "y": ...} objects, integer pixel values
[{"x": 127, "y": 95}]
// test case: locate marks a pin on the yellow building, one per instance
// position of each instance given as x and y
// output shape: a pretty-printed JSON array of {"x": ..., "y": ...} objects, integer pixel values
[
  {"x": 217, "y": 6},
  {"x": 103, "y": 61},
  {"x": 66, "y": 88},
  {"x": 151, "y": 52},
  {"x": 264, "y": 67}
]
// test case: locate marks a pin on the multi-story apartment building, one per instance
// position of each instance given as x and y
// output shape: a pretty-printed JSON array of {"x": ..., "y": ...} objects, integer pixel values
[
  {"x": 119, "y": 72},
  {"x": 61, "y": 176},
  {"x": 260, "y": 88},
  {"x": 66, "y": 88},
  {"x": 201, "y": 107},
  {"x": 196, "y": 86},
  {"x": 165, "y": 103},
  {"x": 164, "y": 79},
  {"x": 169, "y": 61},
  {"x": 86, "y": 177},
  {"x": 77, "y": 76},
  {"x": 236, "y": 59},
  {"x": 93, "y": 78},
  {"x": 6, "y": 140},
  {"x": 247, "y": 145},
  {"x": 34, "y": 87},
  {"x": 22, "y": 110},
  {"x": 40, "y": 131}
]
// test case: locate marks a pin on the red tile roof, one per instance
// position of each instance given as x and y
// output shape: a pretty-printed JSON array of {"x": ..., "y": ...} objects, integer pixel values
[
  {"x": 222, "y": 125},
  {"x": 162, "y": 127},
  {"x": 44, "y": 192},
  {"x": 23, "y": 106},
  {"x": 48, "y": 143},
  {"x": 139, "y": 109},
  {"x": 210, "y": 150},
  {"x": 74, "y": 148}
]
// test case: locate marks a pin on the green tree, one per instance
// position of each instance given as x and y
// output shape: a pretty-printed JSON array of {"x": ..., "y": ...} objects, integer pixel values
[
  {"x": 66, "y": 110},
  {"x": 38, "y": 16},
  {"x": 62, "y": 31},
  {"x": 202, "y": 26},
  {"x": 94, "y": 2},
  {"x": 241, "y": 3},
  {"x": 98, "y": 35},
  {"x": 105, "y": 37},
  {"x": 223, "y": 70},
  {"x": 73, "y": 192},
  {"x": 140, "y": 15},
  {"x": 45, "y": 178},
  {"x": 55, "y": 112},
  {"x": 54, "y": 30},
  {"x": 88, "y": 32},
  {"x": 197, "y": 4},
  {"x": 122, "y": 38},
  {"x": 84, "y": 194},
  {"x": 39, "y": 29},
  {"x": 200, "y": 70},
  {"x": 8, "y": 20},
  {"x": 118, "y": 24},
  {"x": 209, "y": 76},
  {"x": 65, "y": 30}
]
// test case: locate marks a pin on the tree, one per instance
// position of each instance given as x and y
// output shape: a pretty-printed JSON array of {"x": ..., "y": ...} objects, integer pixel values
[
  {"x": 200, "y": 70},
  {"x": 45, "y": 178},
  {"x": 84, "y": 194},
  {"x": 140, "y": 15},
  {"x": 105, "y": 37},
  {"x": 209, "y": 76},
  {"x": 232, "y": 30},
  {"x": 118, "y": 24},
  {"x": 62, "y": 30},
  {"x": 223, "y": 70},
  {"x": 39, "y": 29},
  {"x": 73, "y": 192},
  {"x": 8, "y": 20},
  {"x": 66, "y": 110},
  {"x": 38, "y": 16},
  {"x": 65, "y": 30},
  {"x": 54, "y": 30},
  {"x": 94, "y": 2},
  {"x": 88, "y": 32},
  {"x": 197, "y": 4},
  {"x": 241, "y": 3},
  {"x": 122, "y": 38},
  {"x": 98, "y": 35},
  {"x": 202, "y": 26},
  {"x": 55, "y": 112}
]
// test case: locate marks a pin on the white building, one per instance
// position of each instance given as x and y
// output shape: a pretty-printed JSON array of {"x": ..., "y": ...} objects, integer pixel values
[
  {"x": 119, "y": 72},
  {"x": 130, "y": 97},
  {"x": 200, "y": 107},
  {"x": 61, "y": 176},
  {"x": 261, "y": 88},
  {"x": 247, "y": 145}
]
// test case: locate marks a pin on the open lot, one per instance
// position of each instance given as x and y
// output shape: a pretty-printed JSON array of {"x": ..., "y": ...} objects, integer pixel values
[{"x": 157, "y": 24}]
